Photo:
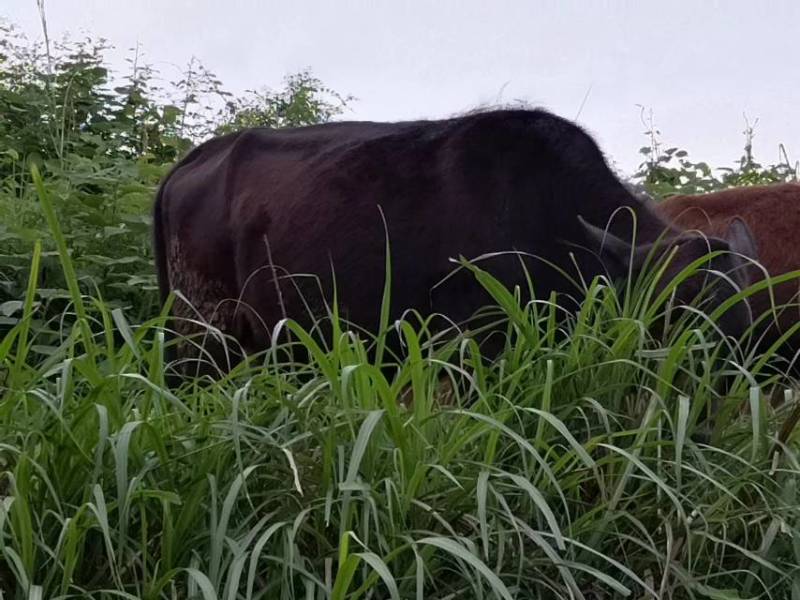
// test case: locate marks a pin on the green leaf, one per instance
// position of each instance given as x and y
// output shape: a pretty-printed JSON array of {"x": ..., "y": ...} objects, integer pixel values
[{"x": 458, "y": 551}]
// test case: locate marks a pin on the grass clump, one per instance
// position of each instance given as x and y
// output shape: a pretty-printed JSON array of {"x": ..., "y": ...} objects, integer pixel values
[{"x": 574, "y": 465}]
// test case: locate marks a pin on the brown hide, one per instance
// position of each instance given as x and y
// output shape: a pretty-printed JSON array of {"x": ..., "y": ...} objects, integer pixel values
[{"x": 772, "y": 213}]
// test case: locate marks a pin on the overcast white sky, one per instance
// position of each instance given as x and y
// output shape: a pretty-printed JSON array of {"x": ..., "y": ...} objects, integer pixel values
[{"x": 699, "y": 65}]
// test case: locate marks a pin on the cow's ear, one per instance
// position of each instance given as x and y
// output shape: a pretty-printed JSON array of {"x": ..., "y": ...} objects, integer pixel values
[
  {"x": 743, "y": 245},
  {"x": 740, "y": 239},
  {"x": 606, "y": 244}
]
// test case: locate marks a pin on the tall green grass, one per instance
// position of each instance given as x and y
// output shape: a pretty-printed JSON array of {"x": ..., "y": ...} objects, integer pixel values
[{"x": 574, "y": 465}]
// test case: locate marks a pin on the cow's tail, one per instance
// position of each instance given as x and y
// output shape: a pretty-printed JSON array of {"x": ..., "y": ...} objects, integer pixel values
[
  {"x": 162, "y": 271},
  {"x": 160, "y": 247}
]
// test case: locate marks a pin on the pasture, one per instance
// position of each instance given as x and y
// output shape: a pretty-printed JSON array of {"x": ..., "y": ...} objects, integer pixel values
[{"x": 593, "y": 458}]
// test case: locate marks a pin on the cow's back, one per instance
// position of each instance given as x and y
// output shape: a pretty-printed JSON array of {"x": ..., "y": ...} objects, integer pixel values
[{"x": 772, "y": 212}]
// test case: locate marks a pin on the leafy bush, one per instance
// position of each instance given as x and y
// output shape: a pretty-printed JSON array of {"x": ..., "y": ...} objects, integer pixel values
[
  {"x": 103, "y": 142},
  {"x": 303, "y": 101},
  {"x": 670, "y": 171}
]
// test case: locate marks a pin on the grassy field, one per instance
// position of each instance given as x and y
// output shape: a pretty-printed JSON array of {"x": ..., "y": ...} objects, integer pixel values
[
  {"x": 591, "y": 459},
  {"x": 582, "y": 463}
]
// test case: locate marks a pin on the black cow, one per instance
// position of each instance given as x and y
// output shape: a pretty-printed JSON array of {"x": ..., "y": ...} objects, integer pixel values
[{"x": 242, "y": 212}]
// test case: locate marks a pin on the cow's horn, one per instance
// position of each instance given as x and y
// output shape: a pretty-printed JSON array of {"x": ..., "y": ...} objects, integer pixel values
[{"x": 605, "y": 241}]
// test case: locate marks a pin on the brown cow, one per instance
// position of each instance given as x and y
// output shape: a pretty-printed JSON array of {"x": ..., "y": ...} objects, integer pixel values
[
  {"x": 772, "y": 213},
  {"x": 243, "y": 212}
]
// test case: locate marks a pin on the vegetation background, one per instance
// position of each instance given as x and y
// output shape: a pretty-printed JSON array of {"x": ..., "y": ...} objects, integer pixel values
[{"x": 569, "y": 469}]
